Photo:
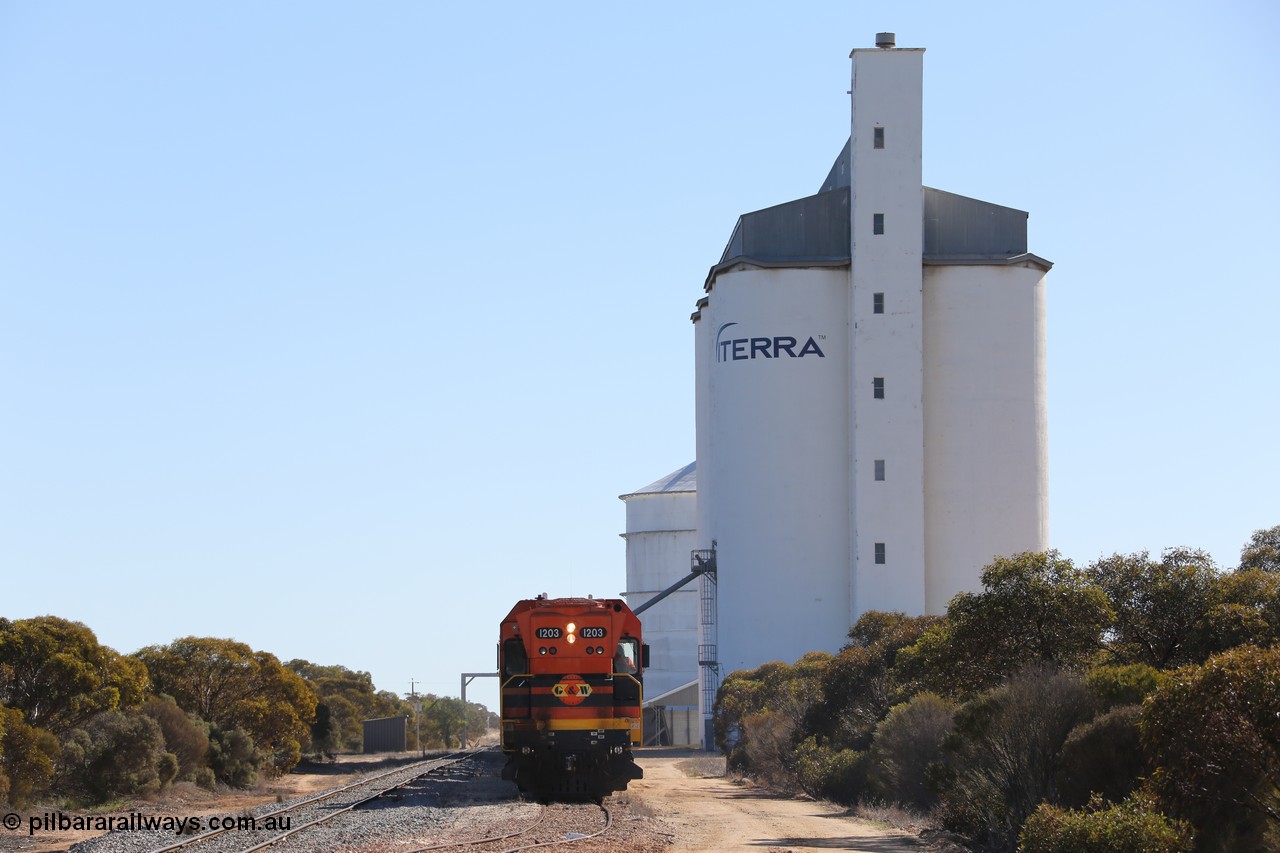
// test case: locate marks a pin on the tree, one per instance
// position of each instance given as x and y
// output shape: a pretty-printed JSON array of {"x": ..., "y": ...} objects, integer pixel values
[
  {"x": 448, "y": 717},
  {"x": 1001, "y": 759},
  {"x": 57, "y": 673},
  {"x": 233, "y": 758},
  {"x": 1213, "y": 732},
  {"x": 906, "y": 743},
  {"x": 326, "y": 735},
  {"x": 118, "y": 755},
  {"x": 1245, "y": 610},
  {"x": 1157, "y": 605},
  {"x": 1036, "y": 607},
  {"x": 227, "y": 683},
  {"x": 859, "y": 685},
  {"x": 27, "y": 756},
  {"x": 1113, "y": 686},
  {"x": 351, "y": 699},
  {"x": 184, "y": 736},
  {"x": 1102, "y": 757},
  {"x": 1263, "y": 551}
]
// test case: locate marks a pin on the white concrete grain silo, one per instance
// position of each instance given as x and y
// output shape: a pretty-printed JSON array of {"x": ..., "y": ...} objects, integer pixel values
[{"x": 870, "y": 377}]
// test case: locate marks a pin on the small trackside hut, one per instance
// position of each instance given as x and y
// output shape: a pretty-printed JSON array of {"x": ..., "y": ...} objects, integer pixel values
[{"x": 572, "y": 685}]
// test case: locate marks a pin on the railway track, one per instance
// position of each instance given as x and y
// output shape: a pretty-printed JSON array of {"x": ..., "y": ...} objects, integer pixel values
[
  {"x": 291, "y": 826},
  {"x": 450, "y": 803},
  {"x": 556, "y": 825},
  {"x": 311, "y": 812}
]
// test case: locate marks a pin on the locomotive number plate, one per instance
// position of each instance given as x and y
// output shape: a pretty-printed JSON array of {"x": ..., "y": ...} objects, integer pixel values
[
  {"x": 593, "y": 633},
  {"x": 548, "y": 633}
]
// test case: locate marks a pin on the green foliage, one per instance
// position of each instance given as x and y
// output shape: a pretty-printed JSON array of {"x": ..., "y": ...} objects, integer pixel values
[
  {"x": 27, "y": 756},
  {"x": 857, "y": 687},
  {"x": 769, "y": 743},
  {"x": 1036, "y": 607},
  {"x": 1157, "y": 605},
  {"x": 326, "y": 735},
  {"x": 1102, "y": 757},
  {"x": 772, "y": 687},
  {"x": 906, "y": 743},
  {"x": 350, "y": 698},
  {"x": 1128, "y": 684},
  {"x": 205, "y": 778},
  {"x": 1213, "y": 731},
  {"x": 57, "y": 673},
  {"x": 228, "y": 684},
  {"x": 1245, "y": 611},
  {"x": 167, "y": 768},
  {"x": 184, "y": 737},
  {"x": 1001, "y": 757},
  {"x": 232, "y": 757},
  {"x": 115, "y": 755},
  {"x": 1263, "y": 551},
  {"x": 1133, "y": 826},
  {"x": 838, "y": 775}
]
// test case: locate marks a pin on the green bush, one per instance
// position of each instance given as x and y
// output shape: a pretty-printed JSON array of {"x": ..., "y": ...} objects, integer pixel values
[
  {"x": 768, "y": 738},
  {"x": 838, "y": 775},
  {"x": 1133, "y": 826},
  {"x": 167, "y": 768},
  {"x": 205, "y": 778},
  {"x": 906, "y": 742},
  {"x": 1114, "y": 686},
  {"x": 1213, "y": 734},
  {"x": 184, "y": 736},
  {"x": 115, "y": 755},
  {"x": 1103, "y": 756},
  {"x": 232, "y": 757},
  {"x": 1001, "y": 757}
]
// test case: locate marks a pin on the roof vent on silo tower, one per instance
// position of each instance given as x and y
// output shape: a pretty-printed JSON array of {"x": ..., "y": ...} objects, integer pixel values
[{"x": 886, "y": 40}]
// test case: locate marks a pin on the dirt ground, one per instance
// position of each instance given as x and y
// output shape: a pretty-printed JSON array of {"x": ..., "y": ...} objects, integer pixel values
[{"x": 716, "y": 814}]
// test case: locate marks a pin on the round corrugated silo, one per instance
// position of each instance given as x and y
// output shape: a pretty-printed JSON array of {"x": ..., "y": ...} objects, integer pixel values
[
  {"x": 774, "y": 448},
  {"x": 661, "y": 521}
]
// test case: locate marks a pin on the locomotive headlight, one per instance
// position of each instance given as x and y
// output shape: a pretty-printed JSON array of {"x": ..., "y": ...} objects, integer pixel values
[
  {"x": 572, "y": 639},
  {"x": 571, "y": 627}
]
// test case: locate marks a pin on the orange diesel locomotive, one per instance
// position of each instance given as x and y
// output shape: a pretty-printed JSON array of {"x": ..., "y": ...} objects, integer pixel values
[{"x": 571, "y": 671}]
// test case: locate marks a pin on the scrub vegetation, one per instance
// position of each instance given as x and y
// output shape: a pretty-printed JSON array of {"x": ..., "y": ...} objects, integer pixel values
[
  {"x": 1129, "y": 705},
  {"x": 81, "y": 724}
]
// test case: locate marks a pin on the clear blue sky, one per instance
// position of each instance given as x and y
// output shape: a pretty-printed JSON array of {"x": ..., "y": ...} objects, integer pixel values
[{"x": 336, "y": 328}]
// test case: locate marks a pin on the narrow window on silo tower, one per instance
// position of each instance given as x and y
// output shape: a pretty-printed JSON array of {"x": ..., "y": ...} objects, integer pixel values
[
  {"x": 877, "y": 303},
  {"x": 877, "y": 223},
  {"x": 879, "y": 137},
  {"x": 880, "y": 553},
  {"x": 877, "y": 387},
  {"x": 879, "y": 469}
]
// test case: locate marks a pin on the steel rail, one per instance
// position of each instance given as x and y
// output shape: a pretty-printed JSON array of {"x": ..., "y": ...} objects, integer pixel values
[
  {"x": 608, "y": 822},
  {"x": 444, "y": 844},
  {"x": 436, "y": 763}
]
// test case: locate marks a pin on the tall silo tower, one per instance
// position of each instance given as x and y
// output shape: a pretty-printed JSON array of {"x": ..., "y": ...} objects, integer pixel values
[
  {"x": 661, "y": 520},
  {"x": 870, "y": 390}
]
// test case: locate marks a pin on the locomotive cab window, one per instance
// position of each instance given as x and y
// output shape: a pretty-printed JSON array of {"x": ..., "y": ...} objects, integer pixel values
[
  {"x": 514, "y": 660},
  {"x": 626, "y": 655}
]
